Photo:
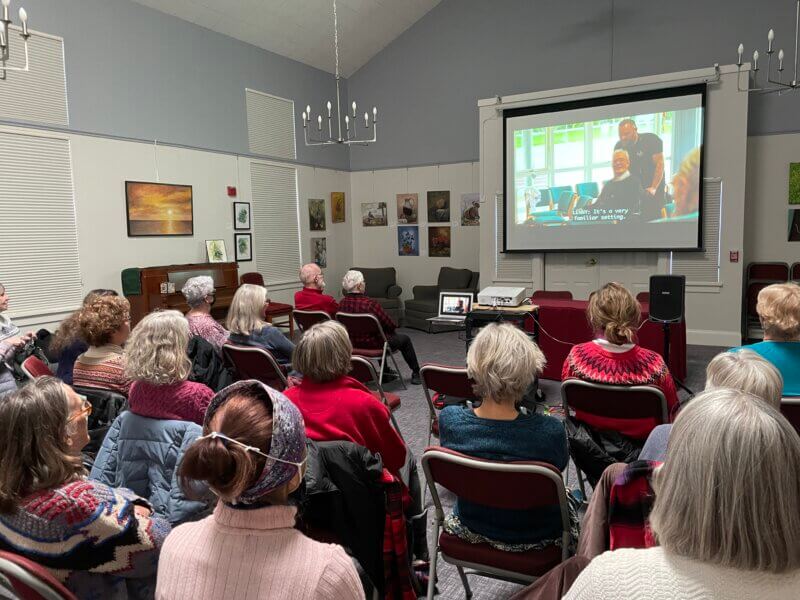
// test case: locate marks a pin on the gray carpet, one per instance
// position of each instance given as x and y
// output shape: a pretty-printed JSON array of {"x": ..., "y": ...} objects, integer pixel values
[{"x": 412, "y": 417}]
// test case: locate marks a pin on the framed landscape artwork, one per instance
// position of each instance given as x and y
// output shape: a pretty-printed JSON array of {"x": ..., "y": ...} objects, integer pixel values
[
  {"x": 215, "y": 249},
  {"x": 316, "y": 214},
  {"x": 337, "y": 207},
  {"x": 244, "y": 246},
  {"x": 158, "y": 209},
  {"x": 241, "y": 216},
  {"x": 373, "y": 214}
]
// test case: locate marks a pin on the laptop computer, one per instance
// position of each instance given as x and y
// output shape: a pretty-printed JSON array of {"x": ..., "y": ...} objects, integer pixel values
[{"x": 454, "y": 306}]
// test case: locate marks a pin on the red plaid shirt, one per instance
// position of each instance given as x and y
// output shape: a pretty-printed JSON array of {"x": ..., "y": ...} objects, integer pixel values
[{"x": 359, "y": 304}]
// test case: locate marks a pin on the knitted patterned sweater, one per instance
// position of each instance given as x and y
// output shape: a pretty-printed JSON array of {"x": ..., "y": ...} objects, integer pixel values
[
  {"x": 102, "y": 367},
  {"x": 88, "y": 535},
  {"x": 592, "y": 361}
]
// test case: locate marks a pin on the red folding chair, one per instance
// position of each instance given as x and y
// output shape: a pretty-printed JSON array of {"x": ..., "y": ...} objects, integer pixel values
[
  {"x": 774, "y": 272},
  {"x": 502, "y": 485},
  {"x": 643, "y": 297},
  {"x": 30, "y": 580},
  {"x": 449, "y": 381},
  {"x": 364, "y": 372},
  {"x": 365, "y": 325},
  {"x": 795, "y": 272},
  {"x": 613, "y": 402},
  {"x": 306, "y": 319},
  {"x": 252, "y": 362},
  {"x": 253, "y": 278},
  {"x": 34, "y": 367},
  {"x": 790, "y": 408},
  {"x": 551, "y": 295}
]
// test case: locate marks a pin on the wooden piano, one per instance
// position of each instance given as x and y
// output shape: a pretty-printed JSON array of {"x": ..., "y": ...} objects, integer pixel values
[{"x": 144, "y": 290}]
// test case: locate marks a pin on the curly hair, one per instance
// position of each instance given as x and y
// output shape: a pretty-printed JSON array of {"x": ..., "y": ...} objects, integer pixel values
[
  {"x": 778, "y": 307},
  {"x": 101, "y": 318},
  {"x": 69, "y": 330},
  {"x": 156, "y": 350},
  {"x": 614, "y": 312}
]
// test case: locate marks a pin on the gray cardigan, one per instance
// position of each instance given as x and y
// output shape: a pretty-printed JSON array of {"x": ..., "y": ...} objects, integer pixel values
[{"x": 7, "y": 382}]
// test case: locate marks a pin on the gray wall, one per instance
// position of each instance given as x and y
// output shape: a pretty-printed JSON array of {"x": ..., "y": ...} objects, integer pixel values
[
  {"x": 427, "y": 82},
  {"x": 135, "y": 72}
]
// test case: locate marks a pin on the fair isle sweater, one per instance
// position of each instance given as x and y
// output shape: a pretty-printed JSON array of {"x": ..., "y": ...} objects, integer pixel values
[
  {"x": 253, "y": 554},
  {"x": 181, "y": 401},
  {"x": 632, "y": 574},
  {"x": 102, "y": 367},
  {"x": 88, "y": 535}
]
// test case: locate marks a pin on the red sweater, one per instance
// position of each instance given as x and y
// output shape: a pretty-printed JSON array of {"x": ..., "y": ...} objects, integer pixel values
[
  {"x": 313, "y": 299},
  {"x": 343, "y": 409},
  {"x": 182, "y": 401},
  {"x": 638, "y": 366}
]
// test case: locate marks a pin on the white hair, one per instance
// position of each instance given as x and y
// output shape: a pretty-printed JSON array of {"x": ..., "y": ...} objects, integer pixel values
[
  {"x": 352, "y": 280},
  {"x": 196, "y": 289},
  {"x": 748, "y": 372}
]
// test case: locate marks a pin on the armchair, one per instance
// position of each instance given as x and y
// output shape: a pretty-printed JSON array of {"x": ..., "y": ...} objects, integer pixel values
[
  {"x": 381, "y": 286},
  {"x": 426, "y": 297}
]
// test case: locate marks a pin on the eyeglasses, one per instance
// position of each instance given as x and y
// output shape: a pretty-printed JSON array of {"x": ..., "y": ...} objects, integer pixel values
[
  {"x": 85, "y": 410},
  {"x": 214, "y": 435}
]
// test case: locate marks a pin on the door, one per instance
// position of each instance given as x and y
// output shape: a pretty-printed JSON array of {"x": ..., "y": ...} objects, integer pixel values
[{"x": 583, "y": 272}]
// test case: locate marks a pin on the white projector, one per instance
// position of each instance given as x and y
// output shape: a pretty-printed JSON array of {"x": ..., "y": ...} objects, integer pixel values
[{"x": 501, "y": 296}]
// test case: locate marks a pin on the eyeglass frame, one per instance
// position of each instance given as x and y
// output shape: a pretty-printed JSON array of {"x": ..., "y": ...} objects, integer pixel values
[{"x": 85, "y": 409}]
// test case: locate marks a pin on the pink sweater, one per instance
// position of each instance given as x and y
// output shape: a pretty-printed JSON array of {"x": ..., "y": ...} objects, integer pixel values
[
  {"x": 251, "y": 555},
  {"x": 182, "y": 401}
]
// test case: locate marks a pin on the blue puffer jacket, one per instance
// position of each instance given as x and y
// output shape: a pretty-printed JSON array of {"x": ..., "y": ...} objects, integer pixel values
[{"x": 143, "y": 455}]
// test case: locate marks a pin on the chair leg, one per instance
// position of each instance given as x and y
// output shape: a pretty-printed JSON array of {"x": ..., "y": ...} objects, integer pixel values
[
  {"x": 397, "y": 368},
  {"x": 467, "y": 590},
  {"x": 434, "y": 560}
]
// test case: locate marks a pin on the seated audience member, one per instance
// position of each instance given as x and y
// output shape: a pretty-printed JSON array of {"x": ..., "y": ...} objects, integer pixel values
[
  {"x": 311, "y": 296},
  {"x": 726, "y": 511},
  {"x": 778, "y": 309},
  {"x": 248, "y": 327},
  {"x": 503, "y": 361},
  {"x": 252, "y": 456},
  {"x": 356, "y": 302},
  {"x": 67, "y": 343},
  {"x": 158, "y": 366},
  {"x": 11, "y": 341},
  {"x": 100, "y": 541},
  {"x": 745, "y": 371},
  {"x": 105, "y": 324},
  {"x": 200, "y": 295},
  {"x": 614, "y": 358},
  {"x": 623, "y": 191},
  {"x": 686, "y": 188}
]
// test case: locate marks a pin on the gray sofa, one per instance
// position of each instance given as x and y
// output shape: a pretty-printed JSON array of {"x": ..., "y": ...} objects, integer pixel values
[
  {"x": 426, "y": 297},
  {"x": 381, "y": 286}
]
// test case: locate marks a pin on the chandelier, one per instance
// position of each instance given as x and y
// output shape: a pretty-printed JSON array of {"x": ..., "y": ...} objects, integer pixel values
[
  {"x": 5, "y": 45},
  {"x": 350, "y": 125},
  {"x": 773, "y": 83}
]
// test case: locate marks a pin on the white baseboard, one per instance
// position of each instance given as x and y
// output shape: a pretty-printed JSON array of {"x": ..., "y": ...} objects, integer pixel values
[{"x": 706, "y": 337}]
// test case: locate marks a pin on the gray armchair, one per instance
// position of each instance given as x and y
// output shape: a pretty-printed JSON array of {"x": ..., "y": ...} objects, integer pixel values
[
  {"x": 426, "y": 297},
  {"x": 381, "y": 286}
]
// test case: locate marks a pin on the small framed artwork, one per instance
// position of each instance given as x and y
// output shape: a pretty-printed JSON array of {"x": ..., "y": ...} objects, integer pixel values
[
  {"x": 241, "y": 216},
  {"x": 794, "y": 183},
  {"x": 316, "y": 214},
  {"x": 216, "y": 251},
  {"x": 156, "y": 209},
  {"x": 470, "y": 210},
  {"x": 407, "y": 208},
  {"x": 439, "y": 241},
  {"x": 374, "y": 214},
  {"x": 244, "y": 246},
  {"x": 439, "y": 207},
  {"x": 319, "y": 252},
  {"x": 337, "y": 207},
  {"x": 408, "y": 240}
]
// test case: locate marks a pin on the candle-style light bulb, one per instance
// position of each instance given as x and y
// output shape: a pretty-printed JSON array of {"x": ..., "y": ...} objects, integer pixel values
[
  {"x": 23, "y": 17},
  {"x": 347, "y": 122},
  {"x": 374, "y": 114},
  {"x": 770, "y": 39},
  {"x": 780, "y": 59},
  {"x": 354, "y": 108},
  {"x": 329, "y": 109},
  {"x": 319, "y": 122},
  {"x": 308, "y": 111},
  {"x": 755, "y": 60},
  {"x": 305, "y": 119},
  {"x": 741, "y": 52},
  {"x": 366, "y": 119},
  {"x": 5, "y": 9}
]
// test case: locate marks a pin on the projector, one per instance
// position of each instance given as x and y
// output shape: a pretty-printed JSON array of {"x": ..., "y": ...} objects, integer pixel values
[{"x": 501, "y": 296}]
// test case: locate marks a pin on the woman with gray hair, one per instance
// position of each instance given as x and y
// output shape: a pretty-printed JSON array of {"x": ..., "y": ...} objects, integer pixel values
[
  {"x": 200, "y": 295},
  {"x": 248, "y": 327},
  {"x": 726, "y": 512}
]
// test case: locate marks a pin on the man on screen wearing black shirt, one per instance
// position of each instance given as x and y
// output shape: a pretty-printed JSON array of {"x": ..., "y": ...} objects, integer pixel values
[
  {"x": 624, "y": 191},
  {"x": 646, "y": 152}
]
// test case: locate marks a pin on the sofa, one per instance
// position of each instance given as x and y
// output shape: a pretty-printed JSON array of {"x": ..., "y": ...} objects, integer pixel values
[
  {"x": 426, "y": 297},
  {"x": 381, "y": 286}
]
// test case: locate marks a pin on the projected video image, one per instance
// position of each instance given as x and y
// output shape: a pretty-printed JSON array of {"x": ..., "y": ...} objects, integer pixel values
[{"x": 454, "y": 306}]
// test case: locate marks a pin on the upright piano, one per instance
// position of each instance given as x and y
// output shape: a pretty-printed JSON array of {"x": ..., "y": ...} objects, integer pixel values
[{"x": 151, "y": 288}]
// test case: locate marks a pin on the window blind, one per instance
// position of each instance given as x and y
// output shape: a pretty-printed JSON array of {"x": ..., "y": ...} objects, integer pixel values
[
  {"x": 275, "y": 222},
  {"x": 703, "y": 267},
  {"x": 517, "y": 268},
  {"x": 40, "y": 267},
  {"x": 270, "y": 125}
]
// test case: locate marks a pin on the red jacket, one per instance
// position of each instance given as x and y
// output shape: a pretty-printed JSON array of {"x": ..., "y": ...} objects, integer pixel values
[
  {"x": 343, "y": 409},
  {"x": 313, "y": 299}
]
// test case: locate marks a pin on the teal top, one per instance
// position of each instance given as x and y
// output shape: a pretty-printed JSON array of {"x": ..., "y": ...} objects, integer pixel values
[{"x": 786, "y": 358}]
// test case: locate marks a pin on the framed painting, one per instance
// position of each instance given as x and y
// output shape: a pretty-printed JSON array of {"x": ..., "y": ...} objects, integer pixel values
[
  {"x": 241, "y": 216},
  {"x": 439, "y": 207},
  {"x": 374, "y": 214},
  {"x": 794, "y": 183},
  {"x": 319, "y": 252},
  {"x": 215, "y": 249},
  {"x": 470, "y": 210},
  {"x": 408, "y": 240},
  {"x": 316, "y": 214},
  {"x": 158, "y": 209},
  {"x": 337, "y": 207},
  {"x": 244, "y": 246},
  {"x": 407, "y": 208},
  {"x": 439, "y": 241}
]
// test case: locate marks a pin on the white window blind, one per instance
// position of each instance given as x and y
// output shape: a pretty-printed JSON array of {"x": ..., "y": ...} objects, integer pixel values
[
  {"x": 517, "y": 268},
  {"x": 275, "y": 222},
  {"x": 38, "y": 235},
  {"x": 703, "y": 267},
  {"x": 40, "y": 95},
  {"x": 270, "y": 125}
]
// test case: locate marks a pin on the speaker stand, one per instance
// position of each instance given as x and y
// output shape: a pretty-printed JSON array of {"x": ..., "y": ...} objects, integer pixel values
[{"x": 665, "y": 327}]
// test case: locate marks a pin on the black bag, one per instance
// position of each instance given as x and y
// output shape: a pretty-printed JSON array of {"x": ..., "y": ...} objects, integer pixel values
[
  {"x": 29, "y": 349},
  {"x": 592, "y": 451}
]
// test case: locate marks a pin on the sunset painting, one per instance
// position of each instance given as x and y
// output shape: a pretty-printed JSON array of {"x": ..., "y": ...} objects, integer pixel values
[{"x": 158, "y": 209}]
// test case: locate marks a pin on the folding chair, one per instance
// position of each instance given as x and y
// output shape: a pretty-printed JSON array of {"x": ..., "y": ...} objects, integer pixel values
[
  {"x": 643, "y": 297},
  {"x": 551, "y": 295},
  {"x": 795, "y": 272},
  {"x": 306, "y": 319},
  {"x": 613, "y": 402},
  {"x": 501, "y": 485},
  {"x": 252, "y": 362},
  {"x": 34, "y": 367},
  {"x": 364, "y": 372},
  {"x": 252, "y": 278},
  {"x": 790, "y": 408},
  {"x": 363, "y": 325},
  {"x": 450, "y": 381},
  {"x": 30, "y": 580},
  {"x": 107, "y": 405}
]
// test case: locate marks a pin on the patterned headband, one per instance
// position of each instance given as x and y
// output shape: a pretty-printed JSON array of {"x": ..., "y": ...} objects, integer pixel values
[{"x": 288, "y": 446}]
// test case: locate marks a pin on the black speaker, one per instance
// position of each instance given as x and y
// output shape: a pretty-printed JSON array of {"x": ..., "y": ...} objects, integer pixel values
[{"x": 666, "y": 298}]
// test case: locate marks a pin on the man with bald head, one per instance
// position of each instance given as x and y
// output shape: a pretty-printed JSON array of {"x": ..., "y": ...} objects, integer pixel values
[
  {"x": 646, "y": 152},
  {"x": 311, "y": 296}
]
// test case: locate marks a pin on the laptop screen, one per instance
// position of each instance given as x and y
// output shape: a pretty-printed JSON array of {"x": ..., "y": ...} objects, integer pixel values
[{"x": 452, "y": 304}]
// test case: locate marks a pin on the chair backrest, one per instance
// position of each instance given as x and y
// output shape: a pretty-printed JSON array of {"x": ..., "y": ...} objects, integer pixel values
[
  {"x": 552, "y": 295},
  {"x": 643, "y": 297},
  {"x": 546, "y": 197},
  {"x": 564, "y": 200},
  {"x": 751, "y": 297},
  {"x": 450, "y": 381},
  {"x": 253, "y": 278},
  {"x": 363, "y": 371},
  {"x": 252, "y": 362},
  {"x": 107, "y": 405},
  {"x": 790, "y": 408},
  {"x": 361, "y": 325},
  {"x": 306, "y": 319},
  {"x": 768, "y": 271},
  {"x": 795, "y": 273},
  {"x": 34, "y": 367},
  {"x": 588, "y": 188},
  {"x": 615, "y": 401},
  {"x": 377, "y": 281},
  {"x": 30, "y": 580}
]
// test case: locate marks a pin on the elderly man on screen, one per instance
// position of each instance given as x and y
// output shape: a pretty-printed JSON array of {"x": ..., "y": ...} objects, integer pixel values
[
  {"x": 623, "y": 191},
  {"x": 311, "y": 296},
  {"x": 355, "y": 301}
]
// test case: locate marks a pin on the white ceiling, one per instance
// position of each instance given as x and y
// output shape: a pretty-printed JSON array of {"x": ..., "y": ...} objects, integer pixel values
[{"x": 303, "y": 29}]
